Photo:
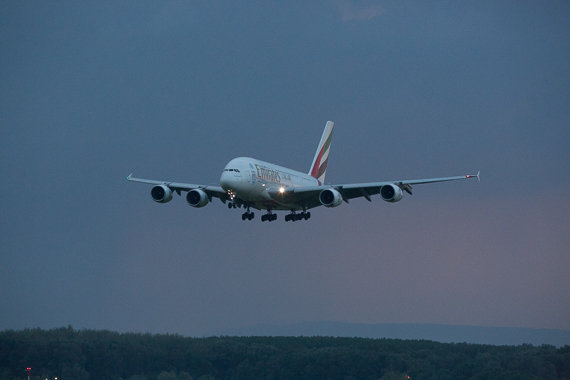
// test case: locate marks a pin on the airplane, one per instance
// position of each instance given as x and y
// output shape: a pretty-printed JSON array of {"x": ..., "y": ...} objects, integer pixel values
[{"x": 250, "y": 183}]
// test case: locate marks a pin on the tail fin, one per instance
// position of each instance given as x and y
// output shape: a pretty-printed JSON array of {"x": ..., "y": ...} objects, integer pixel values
[{"x": 319, "y": 166}]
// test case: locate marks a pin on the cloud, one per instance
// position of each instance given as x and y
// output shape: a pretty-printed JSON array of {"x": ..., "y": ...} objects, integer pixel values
[{"x": 358, "y": 10}]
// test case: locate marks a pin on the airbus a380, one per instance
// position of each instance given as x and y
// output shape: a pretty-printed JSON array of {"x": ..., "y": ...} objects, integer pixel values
[{"x": 251, "y": 183}]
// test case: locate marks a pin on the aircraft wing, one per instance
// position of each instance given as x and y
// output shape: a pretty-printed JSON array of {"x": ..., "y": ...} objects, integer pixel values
[
  {"x": 355, "y": 190},
  {"x": 309, "y": 195},
  {"x": 211, "y": 191}
]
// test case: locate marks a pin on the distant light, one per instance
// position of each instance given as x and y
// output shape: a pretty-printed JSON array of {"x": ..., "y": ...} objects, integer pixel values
[{"x": 281, "y": 189}]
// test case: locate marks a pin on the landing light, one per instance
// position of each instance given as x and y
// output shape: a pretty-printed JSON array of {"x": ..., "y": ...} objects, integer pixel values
[{"x": 281, "y": 189}]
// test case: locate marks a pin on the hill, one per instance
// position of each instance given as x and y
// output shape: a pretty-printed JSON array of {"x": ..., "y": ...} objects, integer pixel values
[{"x": 437, "y": 333}]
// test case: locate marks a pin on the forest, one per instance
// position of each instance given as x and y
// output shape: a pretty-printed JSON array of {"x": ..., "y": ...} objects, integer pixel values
[{"x": 67, "y": 353}]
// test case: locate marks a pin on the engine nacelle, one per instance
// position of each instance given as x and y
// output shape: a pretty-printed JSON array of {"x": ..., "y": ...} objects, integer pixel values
[
  {"x": 161, "y": 193},
  {"x": 330, "y": 198},
  {"x": 197, "y": 198},
  {"x": 391, "y": 193}
]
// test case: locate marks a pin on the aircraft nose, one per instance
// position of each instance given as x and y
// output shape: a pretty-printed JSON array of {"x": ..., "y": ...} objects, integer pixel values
[{"x": 224, "y": 180}]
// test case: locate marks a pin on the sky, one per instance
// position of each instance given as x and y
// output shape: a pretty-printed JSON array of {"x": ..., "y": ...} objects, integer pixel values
[{"x": 92, "y": 91}]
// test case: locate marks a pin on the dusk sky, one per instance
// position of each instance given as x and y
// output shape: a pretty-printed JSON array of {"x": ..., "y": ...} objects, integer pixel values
[{"x": 91, "y": 91}]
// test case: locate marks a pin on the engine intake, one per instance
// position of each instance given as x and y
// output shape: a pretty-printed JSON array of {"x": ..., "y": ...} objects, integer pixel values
[
  {"x": 161, "y": 193},
  {"x": 330, "y": 198},
  {"x": 197, "y": 198},
  {"x": 391, "y": 193}
]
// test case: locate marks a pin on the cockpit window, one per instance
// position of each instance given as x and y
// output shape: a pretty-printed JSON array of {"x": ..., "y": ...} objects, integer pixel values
[{"x": 232, "y": 170}]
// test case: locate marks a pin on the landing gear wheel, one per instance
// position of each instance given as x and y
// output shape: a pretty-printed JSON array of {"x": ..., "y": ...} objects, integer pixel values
[
  {"x": 295, "y": 217},
  {"x": 268, "y": 217}
]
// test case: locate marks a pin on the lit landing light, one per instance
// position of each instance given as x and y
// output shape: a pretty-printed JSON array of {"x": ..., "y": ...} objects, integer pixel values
[
  {"x": 231, "y": 194},
  {"x": 281, "y": 190}
]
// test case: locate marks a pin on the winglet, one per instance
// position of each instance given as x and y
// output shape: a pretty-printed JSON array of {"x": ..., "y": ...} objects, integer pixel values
[
  {"x": 478, "y": 176},
  {"x": 129, "y": 177}
]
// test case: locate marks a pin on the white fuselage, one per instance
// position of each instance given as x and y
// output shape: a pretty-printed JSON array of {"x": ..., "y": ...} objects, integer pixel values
[{"x": 259, "y": 183}]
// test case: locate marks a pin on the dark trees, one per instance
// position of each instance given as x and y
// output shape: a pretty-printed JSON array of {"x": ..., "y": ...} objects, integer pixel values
[{"x": 88, "y": 355}]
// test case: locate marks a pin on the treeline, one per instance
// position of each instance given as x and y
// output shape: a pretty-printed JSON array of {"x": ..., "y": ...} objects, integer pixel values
[{"x": 69, "y": 354}]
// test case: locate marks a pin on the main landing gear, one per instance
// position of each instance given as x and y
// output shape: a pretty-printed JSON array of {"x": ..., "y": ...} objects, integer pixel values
[
  {"x": 269, "y": 217},
  {"x": 294, "y": 217},
  {"x": 247, "y": 215}
]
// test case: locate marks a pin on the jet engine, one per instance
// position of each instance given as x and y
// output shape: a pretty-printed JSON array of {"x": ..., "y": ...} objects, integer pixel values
[
  {"x": 391, "y": 193},
  {"x": 161, "y": 193},
  {"x": 330, "y": 198},
  {"x": 197, "y": 198}
]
